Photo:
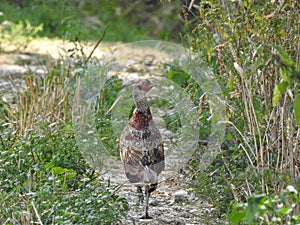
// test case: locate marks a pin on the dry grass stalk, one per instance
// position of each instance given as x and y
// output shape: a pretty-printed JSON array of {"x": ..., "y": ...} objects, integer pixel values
[
  {"x": 270, "y": 133},
  {"x": 43, "y": 100}
]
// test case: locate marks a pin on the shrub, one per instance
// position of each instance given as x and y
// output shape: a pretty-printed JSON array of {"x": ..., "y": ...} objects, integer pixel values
[
  {"x": 261, "y": 209},
  {"x": 44, "y": 178}
]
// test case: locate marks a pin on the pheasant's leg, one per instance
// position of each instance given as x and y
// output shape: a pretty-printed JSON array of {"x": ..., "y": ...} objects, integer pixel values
[
  {"x": 140, "y": 194},
  {"x": 147, "y": 192}
]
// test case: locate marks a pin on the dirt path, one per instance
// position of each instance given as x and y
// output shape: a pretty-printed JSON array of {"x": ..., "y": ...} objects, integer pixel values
[
  {"x": 172, "y": 202},
  {"x": 13, "y": 65}
]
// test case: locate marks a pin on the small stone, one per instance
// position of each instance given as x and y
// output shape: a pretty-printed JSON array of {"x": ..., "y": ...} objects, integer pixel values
[
  {"x": 179, "y": 196},
  {"x": 192, "y": 196},
  {"x": 153, "y": 202},
  {"x": 172, "y": 221},
  {"x": 177, "y": 222},
  {"x": 185, "y": 215}
]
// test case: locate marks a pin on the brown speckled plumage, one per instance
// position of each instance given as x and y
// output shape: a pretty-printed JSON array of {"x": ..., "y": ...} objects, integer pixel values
[{"x": 141, "y": 146}]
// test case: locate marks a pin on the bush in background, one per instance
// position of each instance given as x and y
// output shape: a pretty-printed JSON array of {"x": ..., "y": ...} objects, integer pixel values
[{"x": 86, "y": 20}]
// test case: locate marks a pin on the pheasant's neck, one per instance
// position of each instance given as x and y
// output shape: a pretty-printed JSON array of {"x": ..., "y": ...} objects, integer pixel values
[{"x": 142, "y": 105}]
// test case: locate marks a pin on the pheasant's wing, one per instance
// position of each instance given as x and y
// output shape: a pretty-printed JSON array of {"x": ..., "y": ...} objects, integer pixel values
[
  {"x": 134, "y": 143},
  {"x": 130, "y": 155},
  {"x": 157, "y": 158},
  {"x": 131, "y": 159}
]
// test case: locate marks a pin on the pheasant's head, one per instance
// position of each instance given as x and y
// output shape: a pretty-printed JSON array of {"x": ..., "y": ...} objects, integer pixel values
[
  {"x": 140, "y": 90},
  {"x": 145, "y": 85}
]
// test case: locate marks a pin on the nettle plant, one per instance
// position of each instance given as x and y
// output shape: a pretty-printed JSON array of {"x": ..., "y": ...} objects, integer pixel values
[{"x": 262, "y": 209}]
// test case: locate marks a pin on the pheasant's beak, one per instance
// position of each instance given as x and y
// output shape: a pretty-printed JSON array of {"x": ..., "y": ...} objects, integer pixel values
[
  {"x": 151, "y": 85},
  {"x": 154, "y": 90}
]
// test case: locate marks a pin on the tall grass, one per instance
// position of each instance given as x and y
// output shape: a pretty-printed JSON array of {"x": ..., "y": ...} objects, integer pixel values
[
  {"x": 43, "y": 99},
  {"x": 240, "y": 40}
]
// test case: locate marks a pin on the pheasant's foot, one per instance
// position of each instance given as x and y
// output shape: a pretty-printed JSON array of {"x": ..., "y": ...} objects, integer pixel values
[
  {"x": 141, "y": 198},
  {"x": 146, "y": 217},
  {"x": 140, "y": 195}
]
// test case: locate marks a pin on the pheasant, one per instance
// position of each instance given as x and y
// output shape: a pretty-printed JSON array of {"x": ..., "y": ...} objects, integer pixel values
[{"x": 141, "y": 147}]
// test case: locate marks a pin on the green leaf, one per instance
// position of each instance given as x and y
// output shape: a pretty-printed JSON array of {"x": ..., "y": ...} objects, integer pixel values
[
  {"x": 251, "y": 213},
  {"x": 278, "y": 91},
  {"x": 229, "y": 136},
  {"x": 284, "y": 73},
  {"x": 282, "y": 87},
  {"x": 297, "y": 108},
  {"x": 285, "y": 58},
  {"x": 58, "y": 170},
  {"x": 236, "y": 217},
  {"x": 284, "y": 211},
  {"x": 178, "y": 76},
  {"x": 70, "y": 174},
  {"x": 254, "y": 203},
  {"x": 49, "y": 165}
]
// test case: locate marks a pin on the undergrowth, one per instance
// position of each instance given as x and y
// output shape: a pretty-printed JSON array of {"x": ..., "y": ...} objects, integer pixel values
[
  {"x": 43, "y": 175},
  {"x": 252, "y": 48}
]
